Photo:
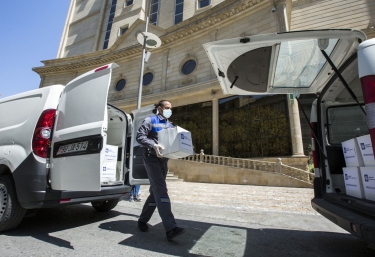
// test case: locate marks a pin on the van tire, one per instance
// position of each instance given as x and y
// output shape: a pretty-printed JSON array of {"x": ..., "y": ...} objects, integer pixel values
[
  {"x": 104, "y": 206},
  {"x": 11, "y": 212}
]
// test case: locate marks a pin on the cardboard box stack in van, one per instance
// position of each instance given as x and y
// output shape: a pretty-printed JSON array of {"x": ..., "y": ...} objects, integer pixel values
[
  {"x": 353, "y": 160},
  {"x": 368, "y": 181},
  {"x": 368, "y": 171},
  {"x": 365, "y": 146},
  {"x": 359, "y": 175},
  {"x": 353, "y": 182},
  {"x": 108, "y": 171},
  {"x": 352, "y": 155},
  {"x": 176, "y": 141}
]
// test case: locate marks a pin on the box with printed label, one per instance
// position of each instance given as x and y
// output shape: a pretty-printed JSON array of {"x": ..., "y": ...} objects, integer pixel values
[
  {"x": 365, "y": 146},
  {"x": 110, "y": 153},
  {"x": 352, "y": 154},
  {"x": 368, "y": 181},
  {"x": 353, "y": 182},
  {"x": 108, "y": 172},
  {"x": 176, "y": 141}
]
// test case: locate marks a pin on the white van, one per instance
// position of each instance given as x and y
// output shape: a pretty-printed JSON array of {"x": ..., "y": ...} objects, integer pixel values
[
  {"x": 299, "y": 63},
  {"x": 55, "y": 144}
]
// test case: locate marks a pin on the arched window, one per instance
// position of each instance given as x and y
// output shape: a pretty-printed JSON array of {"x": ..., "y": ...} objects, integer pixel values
[
  {"x": 120, "y": 84},
  {"x": 189, "y": 67},
  {"x": 147, "y": 78}
]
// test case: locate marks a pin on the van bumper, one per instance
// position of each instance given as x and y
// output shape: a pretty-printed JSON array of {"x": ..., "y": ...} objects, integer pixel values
[
  {"x": 33, "y": 192},
  {"x": 359, "y": 225},
  {"x": 52, "y": 198}
]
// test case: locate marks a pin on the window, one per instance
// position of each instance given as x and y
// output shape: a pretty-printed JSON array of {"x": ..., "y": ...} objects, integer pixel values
[
  {"x": 154, "y": 11},
  {"x": 345, "y": 122},
  {"x": 127, "y": 3},
  {"x": 147, "y": 78},
  {"x": 179, "y": 10},
  {"x": 203, "y": 3},
  {"x": 123, "y": 30},
  {"x": 189, "y": 67},
  {"x": 299, "y": 62},
  {"x": 110, "y": 21},
  {"x": 120, "y": 84}
]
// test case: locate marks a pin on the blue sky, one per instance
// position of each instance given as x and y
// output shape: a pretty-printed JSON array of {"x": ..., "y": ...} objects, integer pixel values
[{"x": 30, "y": 32}]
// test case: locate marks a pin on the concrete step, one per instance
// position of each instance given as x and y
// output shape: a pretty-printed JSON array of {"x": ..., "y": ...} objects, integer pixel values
[{"x": 172, "y": 178}]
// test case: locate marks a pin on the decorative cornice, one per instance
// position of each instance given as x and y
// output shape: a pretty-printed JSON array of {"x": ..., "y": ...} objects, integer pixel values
[
  {"x": 191, "y": 27},
  {"x": 170, "y": 94}
]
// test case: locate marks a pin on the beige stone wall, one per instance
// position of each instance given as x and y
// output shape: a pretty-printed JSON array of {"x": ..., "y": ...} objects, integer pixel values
[
  {"x": 321, "y": 14},
  {"x": 83, "y": 27},
  {"x": 124, "y": 16},
  {"x": 167, "y": 11},
  {"x": 62, "y": 79},
  {"x": 166, "y": 63},
  {"x": 210, "y": 173},
  {"x": 85, "y": 8}
]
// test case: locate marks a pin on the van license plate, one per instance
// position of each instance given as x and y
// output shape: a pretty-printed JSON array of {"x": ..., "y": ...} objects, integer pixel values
[{"x": 71, "y": 148}]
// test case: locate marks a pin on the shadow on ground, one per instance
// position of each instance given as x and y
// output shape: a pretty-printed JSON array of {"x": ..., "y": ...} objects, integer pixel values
[{"x": 201, "y": 238}]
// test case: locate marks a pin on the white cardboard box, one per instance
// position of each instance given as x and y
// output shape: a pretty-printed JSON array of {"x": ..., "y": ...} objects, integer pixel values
[
  {"x": 365, "y": 146},
  {"x": 353, "y": 182},
  {"x": 108, "y": 172},
  {"x": 110, "y": 153},
  {"x": 368, "y": 181},
  {"x": 176, "y": 141},
  {"x": 352, "y": 154}
]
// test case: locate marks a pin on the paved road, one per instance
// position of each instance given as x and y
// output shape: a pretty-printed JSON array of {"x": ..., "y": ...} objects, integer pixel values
[{"x": 221, "y": 220}]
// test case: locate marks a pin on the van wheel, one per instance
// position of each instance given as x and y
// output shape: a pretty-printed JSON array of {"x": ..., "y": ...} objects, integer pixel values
[
  {"x": 11, "y": 212},
  {"x": 105, "y": 205}
]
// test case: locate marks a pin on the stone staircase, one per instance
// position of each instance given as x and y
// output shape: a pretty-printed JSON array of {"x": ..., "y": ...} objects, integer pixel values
[
  {"x": 173, "y": 178},
  {"x": 227, "y": 170}
]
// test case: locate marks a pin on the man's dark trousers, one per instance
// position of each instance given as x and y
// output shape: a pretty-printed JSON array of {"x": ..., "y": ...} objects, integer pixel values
[{"x": 157, "y": 169}]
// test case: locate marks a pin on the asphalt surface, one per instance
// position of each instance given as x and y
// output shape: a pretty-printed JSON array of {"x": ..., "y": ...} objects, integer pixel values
[{"x": 213, "y": 228}]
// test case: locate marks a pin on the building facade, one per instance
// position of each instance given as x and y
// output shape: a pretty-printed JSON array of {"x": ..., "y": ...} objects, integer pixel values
[{"x": 98, "y": 32}]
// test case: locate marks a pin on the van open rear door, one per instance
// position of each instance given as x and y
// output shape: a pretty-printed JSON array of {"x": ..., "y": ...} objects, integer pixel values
[
  {"x": 281, "y": 63},
  {"x": 79, "y": 132},
  {"x": 138, "y": 174}
]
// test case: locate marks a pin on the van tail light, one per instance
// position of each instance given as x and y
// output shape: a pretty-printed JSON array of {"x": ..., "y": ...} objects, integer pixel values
[
  {"x": 368, "y": 89},
  {"x": 101, "y": 68},
  {"x": 42, "y": 133}
]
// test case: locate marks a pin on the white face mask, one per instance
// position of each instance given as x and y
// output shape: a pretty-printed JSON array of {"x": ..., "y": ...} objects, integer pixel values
[{"x": 167, "y": 113}]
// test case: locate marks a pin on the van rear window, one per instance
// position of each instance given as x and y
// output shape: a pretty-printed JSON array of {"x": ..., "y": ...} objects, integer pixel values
[{"x": 345, "y": 122}]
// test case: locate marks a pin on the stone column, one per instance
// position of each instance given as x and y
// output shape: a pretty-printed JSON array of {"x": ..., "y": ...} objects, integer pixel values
[
  {"x": 283, "y": 15},
  {"x": 295, "y": 128},
  {"x": 215, "y": 126}
]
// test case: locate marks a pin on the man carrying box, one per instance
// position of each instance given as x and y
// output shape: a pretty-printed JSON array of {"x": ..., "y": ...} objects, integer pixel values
[{"x": 157, "y": 167}]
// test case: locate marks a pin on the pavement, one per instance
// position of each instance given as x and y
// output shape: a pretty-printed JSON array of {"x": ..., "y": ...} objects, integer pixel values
[
  {"x": 241, "y": 197},
  {"x": 220, "y": 220}
]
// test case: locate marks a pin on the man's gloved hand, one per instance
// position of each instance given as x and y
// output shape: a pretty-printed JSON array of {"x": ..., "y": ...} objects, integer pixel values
[{"x": 159, "y": 150}]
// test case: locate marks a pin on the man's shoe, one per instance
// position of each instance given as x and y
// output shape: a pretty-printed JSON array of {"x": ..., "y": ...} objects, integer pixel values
[
  {"x": 142, "y": 226},
  {"x": 131, "y": 199},
  {"x": 137, "y": 199},
  {"x": 175, "y": 232}
]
